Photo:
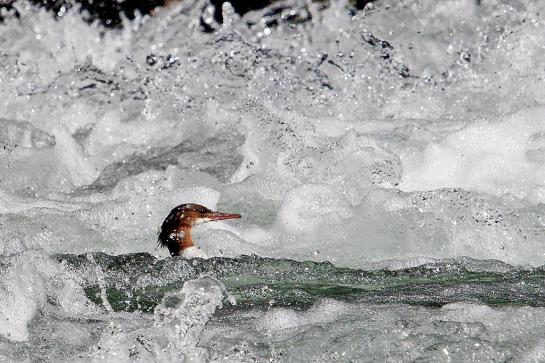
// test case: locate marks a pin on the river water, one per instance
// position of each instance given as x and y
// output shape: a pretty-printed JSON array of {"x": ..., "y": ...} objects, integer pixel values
[{"x": 399, "y": 150}]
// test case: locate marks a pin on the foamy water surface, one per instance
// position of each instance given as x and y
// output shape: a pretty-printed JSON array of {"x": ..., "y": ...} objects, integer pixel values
[{"x": 405, "y": 133}]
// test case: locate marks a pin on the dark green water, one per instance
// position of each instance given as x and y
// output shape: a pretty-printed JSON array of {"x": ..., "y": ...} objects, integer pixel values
[{"x": 140, "y": 281}]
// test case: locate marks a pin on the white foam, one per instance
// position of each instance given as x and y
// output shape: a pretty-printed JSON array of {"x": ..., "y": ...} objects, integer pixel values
[
  {"x": 281, "y": 319},
  {"x": 173, "y": 333},
  {"x": 23, "y": 291},
  {"x": 311, "y": 206},
  {"x": 499, "y": 157}
]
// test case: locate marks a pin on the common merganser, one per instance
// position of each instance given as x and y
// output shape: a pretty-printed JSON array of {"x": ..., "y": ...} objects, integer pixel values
[{"x": 175, "y": 231}]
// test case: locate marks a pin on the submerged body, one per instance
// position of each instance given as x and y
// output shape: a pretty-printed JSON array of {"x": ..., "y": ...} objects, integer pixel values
[{"x": 175, "y": 231}]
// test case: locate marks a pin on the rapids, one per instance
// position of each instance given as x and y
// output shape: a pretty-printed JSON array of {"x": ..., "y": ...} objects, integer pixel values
[{"x": 389, "y": 165}]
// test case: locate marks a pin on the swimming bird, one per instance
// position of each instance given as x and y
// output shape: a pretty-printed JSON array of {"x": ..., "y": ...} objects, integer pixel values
[{"x": 175, "y": 231}]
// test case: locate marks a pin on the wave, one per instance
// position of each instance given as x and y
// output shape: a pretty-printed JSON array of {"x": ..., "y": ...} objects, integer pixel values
[{"x": 140, "y": 281}]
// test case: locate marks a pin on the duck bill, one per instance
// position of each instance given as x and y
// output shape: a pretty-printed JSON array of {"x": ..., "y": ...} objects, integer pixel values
[{"x": 219, "y": 216}]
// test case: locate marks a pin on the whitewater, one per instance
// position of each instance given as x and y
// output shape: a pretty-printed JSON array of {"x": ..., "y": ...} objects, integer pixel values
[{"x": 388, "y": 164}]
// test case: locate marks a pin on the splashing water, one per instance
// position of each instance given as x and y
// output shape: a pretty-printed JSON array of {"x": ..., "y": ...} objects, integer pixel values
[{"x": 404, "y": 134}]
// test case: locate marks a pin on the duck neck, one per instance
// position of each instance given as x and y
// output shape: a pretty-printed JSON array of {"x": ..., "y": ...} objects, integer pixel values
[{"x": 185, "y": 241}]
